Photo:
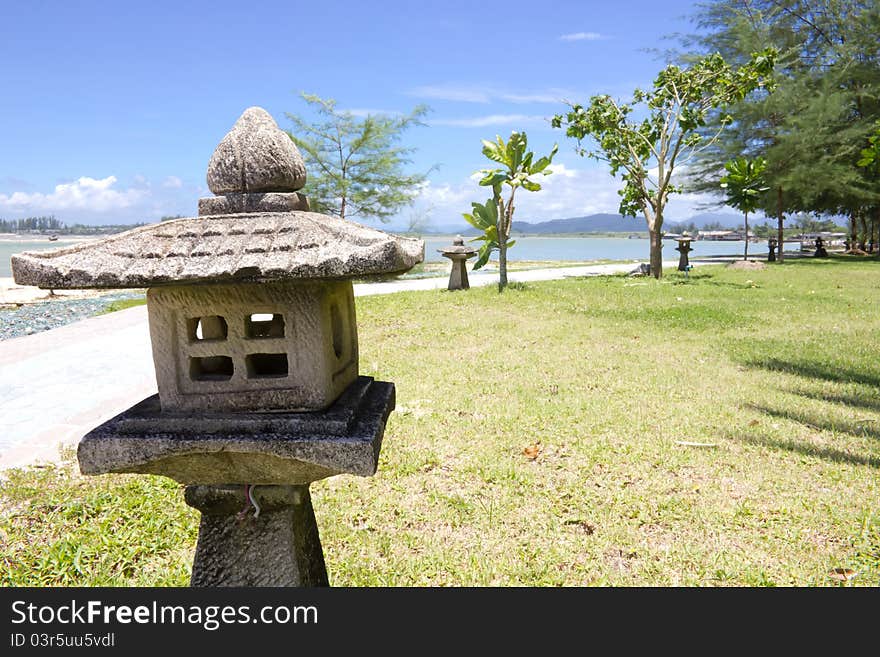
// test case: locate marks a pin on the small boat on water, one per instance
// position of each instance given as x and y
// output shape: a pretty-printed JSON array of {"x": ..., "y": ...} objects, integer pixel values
[{"x": 53, "y": 238}]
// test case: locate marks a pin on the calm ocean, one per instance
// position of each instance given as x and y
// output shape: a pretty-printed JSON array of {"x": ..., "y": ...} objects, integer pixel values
[{"x": 526, "y": 248}]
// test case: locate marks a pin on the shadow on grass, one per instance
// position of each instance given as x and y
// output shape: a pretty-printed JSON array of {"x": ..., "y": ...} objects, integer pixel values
[
  {"x": 815, "y": 370},
  {"x": 853, "y": 401},
  {"x": 820, "y": 423},
  {"x": 799, "y": 447},
  {"x": 832, "y": 259}
]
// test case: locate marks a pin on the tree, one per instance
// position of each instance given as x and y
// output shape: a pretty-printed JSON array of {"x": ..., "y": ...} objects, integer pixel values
[
  {"x": 869, "y": 157},
  {"x": 744, "y": 184},
  {"x": 668, "y": 135},
  {"x": 355, "y": 165},
  {"x": 827, "y": 80},
  {"x": 495, "y": 216},
  {"x": 869, "y": 160}
]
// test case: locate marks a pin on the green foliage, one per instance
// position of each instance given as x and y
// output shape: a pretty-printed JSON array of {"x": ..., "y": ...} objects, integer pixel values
[
  {"x": 356, "y": 165},
  {"x": 870, "y": 156},
  {"x": 49, "y": 223},
  {"x": 811, "y": 129},
  {"x": 744, "y": 183},
  {"x": 484, "y": 217},
  {"x": 52, "y": 225},
  {"x": 495, "y": 216},
  {"x": 672, "y": 112},
  {"x": 122, "y": 304}
]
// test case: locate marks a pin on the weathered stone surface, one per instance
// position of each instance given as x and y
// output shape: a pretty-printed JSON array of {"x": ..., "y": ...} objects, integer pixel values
[
  {"x": 211, "y": 355},
  {"x": 279, "y": 546},
  {"x": 266, "y": 202},
  {"x": 256, "y": 156},
  {"x": 148, "y": 417},
  {"x": 457, "y": 247},
  {"x": 239, "y": 452},
  {"x": 223, "y": 248}
]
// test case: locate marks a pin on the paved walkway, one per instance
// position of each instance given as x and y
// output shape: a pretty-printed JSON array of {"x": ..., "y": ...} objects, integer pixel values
[{"x": 57, "y": 385}]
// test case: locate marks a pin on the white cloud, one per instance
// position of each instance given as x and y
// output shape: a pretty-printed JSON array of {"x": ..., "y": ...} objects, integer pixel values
[
  {"x": 582, "y": 36},
  {"x": 567, "y": 192},
  {"x": 493, "y": 119},
  {"x": 172, "y": 182},
  {"x": 84, "y": 193}
]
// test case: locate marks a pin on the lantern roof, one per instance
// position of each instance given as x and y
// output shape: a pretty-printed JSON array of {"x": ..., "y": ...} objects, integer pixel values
[{"x": 257, "y": 228}]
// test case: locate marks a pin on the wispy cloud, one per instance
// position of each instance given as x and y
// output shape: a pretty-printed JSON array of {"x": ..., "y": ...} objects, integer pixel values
[
  {"x": 460, "y": 93},
  {"x": 172, "y": 182},
  {"x": 365, "y": 111},
  {"x": 550, "y": 96},
  {"x": 493, "y": 119},
  {"x": 469, "y": 93},
  {"x": 583, "y": 36}
]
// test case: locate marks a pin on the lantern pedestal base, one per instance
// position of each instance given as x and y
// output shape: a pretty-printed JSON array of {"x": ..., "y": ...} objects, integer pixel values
[
  {"x": 458, "y": 278},
  {"x": 241, "y": 546},
  {"x": 239, "y": 448}
]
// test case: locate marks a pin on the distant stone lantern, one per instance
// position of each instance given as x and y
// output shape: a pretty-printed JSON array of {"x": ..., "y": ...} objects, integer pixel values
[
  {"x": 684, "y": 247},
  {"x": 252, "y": 324},
  {"x": 459, "y": 254},
  {"x": 771, "y": 249}
]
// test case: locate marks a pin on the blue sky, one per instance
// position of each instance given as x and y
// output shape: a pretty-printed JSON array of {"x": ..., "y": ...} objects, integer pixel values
[{"x": 110, "y": 110}]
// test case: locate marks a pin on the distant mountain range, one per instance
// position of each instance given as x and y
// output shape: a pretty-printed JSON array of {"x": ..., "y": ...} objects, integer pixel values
[{"x": 607, "y": 223}]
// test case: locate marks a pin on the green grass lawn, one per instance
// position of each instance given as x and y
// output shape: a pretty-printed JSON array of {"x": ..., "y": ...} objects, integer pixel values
[{"x": 719, "y": 430}]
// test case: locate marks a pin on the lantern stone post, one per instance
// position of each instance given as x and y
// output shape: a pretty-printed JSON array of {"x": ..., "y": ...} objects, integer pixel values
[
  {"x": 458, "y": 253},
  {"x": 684, "y": 247},
  {"x": 771, "y": 249},
  {"x": 254, "y": 337}
]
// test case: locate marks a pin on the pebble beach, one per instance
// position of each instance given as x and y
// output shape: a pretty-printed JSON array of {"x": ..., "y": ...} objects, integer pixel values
[{"x": 25, "y": 310}]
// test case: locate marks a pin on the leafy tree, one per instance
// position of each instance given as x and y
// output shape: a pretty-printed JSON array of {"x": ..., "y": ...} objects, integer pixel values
[
  {"x": 744, "y": 185},
  {"x": 869, "y": 159},
  {"x": 355, "y": 165},
  {"x": 495, "y": 216},
  {"x": 870, "y": 156},
  {"x": 674, "y": 110},
  {"x": 809, "y": 130}
]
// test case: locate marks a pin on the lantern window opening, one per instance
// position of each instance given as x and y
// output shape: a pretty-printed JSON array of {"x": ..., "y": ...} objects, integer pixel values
[
  {"x": 211, "y": 368},
  {"x": 337, "y": 330},
  {"x": 207, "y": 328},
  {"x": 264, "y": 325},
  {"x": 265, "y": 366}
]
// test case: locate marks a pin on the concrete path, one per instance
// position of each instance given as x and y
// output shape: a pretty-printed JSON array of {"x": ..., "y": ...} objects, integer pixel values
[{"x": 57, "y": 385}]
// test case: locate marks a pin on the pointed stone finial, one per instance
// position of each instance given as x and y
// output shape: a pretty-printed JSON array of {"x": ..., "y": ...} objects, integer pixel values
[
  {"x": 256, "y": 156},
  {"x": 458, "y": 240}
]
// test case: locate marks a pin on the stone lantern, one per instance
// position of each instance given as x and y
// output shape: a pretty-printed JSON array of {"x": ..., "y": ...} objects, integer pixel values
[
  {"x": 684, "y": 247},
  {"x": 459, "y": 254},
  {"x": 771, "y": 249},
  {"x": 254, "y": 338}
]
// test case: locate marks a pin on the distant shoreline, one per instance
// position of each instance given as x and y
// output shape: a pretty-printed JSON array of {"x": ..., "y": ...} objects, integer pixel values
[{"x": 24, "y": 237}]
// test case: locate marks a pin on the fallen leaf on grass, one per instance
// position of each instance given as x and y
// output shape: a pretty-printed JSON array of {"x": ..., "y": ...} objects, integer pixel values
[
  {"x": 842, "y": 574},
  {"x": 532, "y": 451},
  {"x": 583, "y": 524},
  {"x": 754, "y": 423}
]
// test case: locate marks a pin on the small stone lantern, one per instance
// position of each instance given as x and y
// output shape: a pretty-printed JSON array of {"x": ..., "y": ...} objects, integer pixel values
[
  {"x": 459, "y": 254},
  {"x": 684, "y": 247},
  {"x": 771, "y": 249},
  {"x": 252, "y": 324}
]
